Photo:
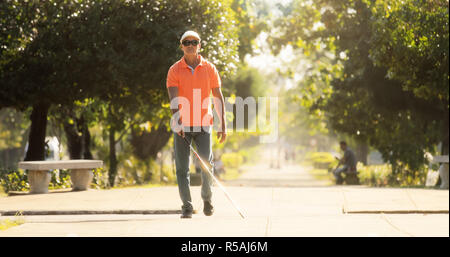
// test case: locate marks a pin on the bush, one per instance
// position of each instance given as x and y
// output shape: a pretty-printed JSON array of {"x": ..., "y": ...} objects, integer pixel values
[
  {"x": 100, "y": 179},
  {"x": 374, "y": 175},
  {"x": 134, "y": 171},
  {"x": 17, "y": 180},
  {"x": 14, "y": 180},
  {"x": 321, "y": 160},
  {"x": 232, "y": 160},
  {"x": 382, "y": 175},
  {"x": 60, "y": 179}
]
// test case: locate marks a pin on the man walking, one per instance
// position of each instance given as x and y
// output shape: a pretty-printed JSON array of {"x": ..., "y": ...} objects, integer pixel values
[{"x": 190, "y": 82}]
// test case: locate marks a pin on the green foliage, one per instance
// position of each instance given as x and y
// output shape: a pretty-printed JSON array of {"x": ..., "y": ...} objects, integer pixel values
[
  {"x": 60, "y": 179},
  {"x": 14, "y": 180},
  {"x": 137, "y": 172},
  {"x": 320, "y": 157},
  {"x": 299, "y": 126},
  {"x": 13, "y": 135},
  {"x": 374, "y": 175},
  {"x": 249, "y": 25},
  {"x": 383, "y": 175},
  {"x": 17, "y": 180},
  {"x": 100, "y": 179},
  {"x": 413, "y": 43},
  {"x": 232, "y": 160},
  {"x": 106, "y": 60},
  {"x": 321, "y": 160},
  {"x": 7, "y": 223},
  {"x": 13, "y": 127},
  {"x": 378, "y": 76},
  {"x": 246, "y": 82}
]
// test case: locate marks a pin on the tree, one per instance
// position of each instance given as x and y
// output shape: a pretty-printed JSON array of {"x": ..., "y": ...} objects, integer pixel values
[
  {"x": 32, "y": 75},
  {"x": 247, "y": 82},
  {"x": 413, "y": 44},
  {"x": 115, "y": 53},
  {"x": 13, "y": 134},
  {"x": 362, "y": 97},
  {"x": 144, "y": 40},
  {"x": 249, "y": 23}
]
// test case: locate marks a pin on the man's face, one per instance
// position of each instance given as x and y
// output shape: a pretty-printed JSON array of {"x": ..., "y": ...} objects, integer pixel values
[
  {"x": 343, "y": 147},
  {"x": 191, "y": 49}
]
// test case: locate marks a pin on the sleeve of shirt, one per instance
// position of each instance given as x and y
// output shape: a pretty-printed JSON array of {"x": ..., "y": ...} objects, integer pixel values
[
  {"x": 215, "y": 78},
  {"x": 172, "y": 78}
]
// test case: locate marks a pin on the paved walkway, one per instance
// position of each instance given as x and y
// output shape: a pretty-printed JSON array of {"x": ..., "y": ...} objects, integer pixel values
[{"x": 284, "y": 202}]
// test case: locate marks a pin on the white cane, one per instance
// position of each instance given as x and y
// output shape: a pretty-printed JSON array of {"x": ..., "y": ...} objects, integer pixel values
[{"x": 206, "y": 169}]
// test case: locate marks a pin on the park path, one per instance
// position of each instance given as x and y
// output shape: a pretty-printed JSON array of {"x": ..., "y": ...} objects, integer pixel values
[
  {"x": 288, "y": 175},
  {"x": 276, "y": 202}
]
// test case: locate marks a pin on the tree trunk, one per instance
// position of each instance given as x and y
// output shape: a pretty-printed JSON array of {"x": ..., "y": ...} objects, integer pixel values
[
  {"x": 445, "y": 132},
  {"x": 78, "y": 139},
  {"x": 362, "y": 151},
  {"x": 74, "y": 141},
  {"x": 112, "y": 157},
  {"x": 147, "y": 144},
  {"x": 87, "y": 142},
  {"x": 36, "y": 138}
]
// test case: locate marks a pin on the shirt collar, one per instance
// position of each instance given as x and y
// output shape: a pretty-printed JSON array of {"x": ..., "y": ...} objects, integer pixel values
[{"x": 201, "y": 63}]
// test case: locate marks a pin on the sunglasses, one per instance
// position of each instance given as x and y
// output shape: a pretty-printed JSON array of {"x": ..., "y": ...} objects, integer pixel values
[{"x": 190, "y": 42}]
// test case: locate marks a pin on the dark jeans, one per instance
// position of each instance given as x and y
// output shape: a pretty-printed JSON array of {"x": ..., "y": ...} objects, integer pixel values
[
  {"x": 338, "y": 173},
  {"x": 182, "y": 152}
]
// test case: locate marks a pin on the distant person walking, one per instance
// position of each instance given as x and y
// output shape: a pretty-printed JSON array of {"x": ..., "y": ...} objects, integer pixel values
[
  {"x": 348, "y": 162},
  {"x": 190, "y": 81}
]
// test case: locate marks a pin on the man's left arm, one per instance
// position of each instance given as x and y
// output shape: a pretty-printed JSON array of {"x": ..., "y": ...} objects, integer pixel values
[{"x": 219, "y": 106}]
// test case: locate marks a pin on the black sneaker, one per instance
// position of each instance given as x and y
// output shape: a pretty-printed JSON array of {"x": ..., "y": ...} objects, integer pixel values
[
  {"x": 208, "y": 209},
  {"x": 186, "y": 214}
]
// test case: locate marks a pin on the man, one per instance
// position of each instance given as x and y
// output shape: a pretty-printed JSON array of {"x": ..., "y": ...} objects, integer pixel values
[
  {"x": 190, "y": 82},
  {"x": 348, "y": 162}
]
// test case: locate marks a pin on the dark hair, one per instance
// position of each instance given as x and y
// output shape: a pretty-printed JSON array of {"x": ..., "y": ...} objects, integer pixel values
[{"x": 343, "y": 143}]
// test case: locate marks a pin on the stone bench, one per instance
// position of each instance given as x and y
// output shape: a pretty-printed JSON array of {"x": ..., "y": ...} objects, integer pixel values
[
  {"x": 39, "y": 173},
  {"x": 443, "y": 170}
]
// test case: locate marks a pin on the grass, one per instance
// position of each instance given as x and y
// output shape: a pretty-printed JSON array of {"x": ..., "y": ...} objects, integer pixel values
[{"x": 7, "y": 223}]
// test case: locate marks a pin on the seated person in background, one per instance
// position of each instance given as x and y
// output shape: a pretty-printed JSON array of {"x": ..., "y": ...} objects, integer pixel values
[{"x": 348, "y": 162}]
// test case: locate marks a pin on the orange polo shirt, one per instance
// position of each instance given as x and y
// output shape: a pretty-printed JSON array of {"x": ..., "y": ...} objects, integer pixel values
[{"x": 194, "y": 89}]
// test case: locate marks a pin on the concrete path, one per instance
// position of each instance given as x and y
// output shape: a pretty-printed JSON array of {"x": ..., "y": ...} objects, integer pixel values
[{"x": 284, "y": 202}]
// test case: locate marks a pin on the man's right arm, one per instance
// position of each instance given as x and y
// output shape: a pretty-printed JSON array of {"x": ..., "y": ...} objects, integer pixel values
[
  {"x": 174, "y": 107},
  {"x": 173, "y": 93},
  {"x": 172, "y": 89}
]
